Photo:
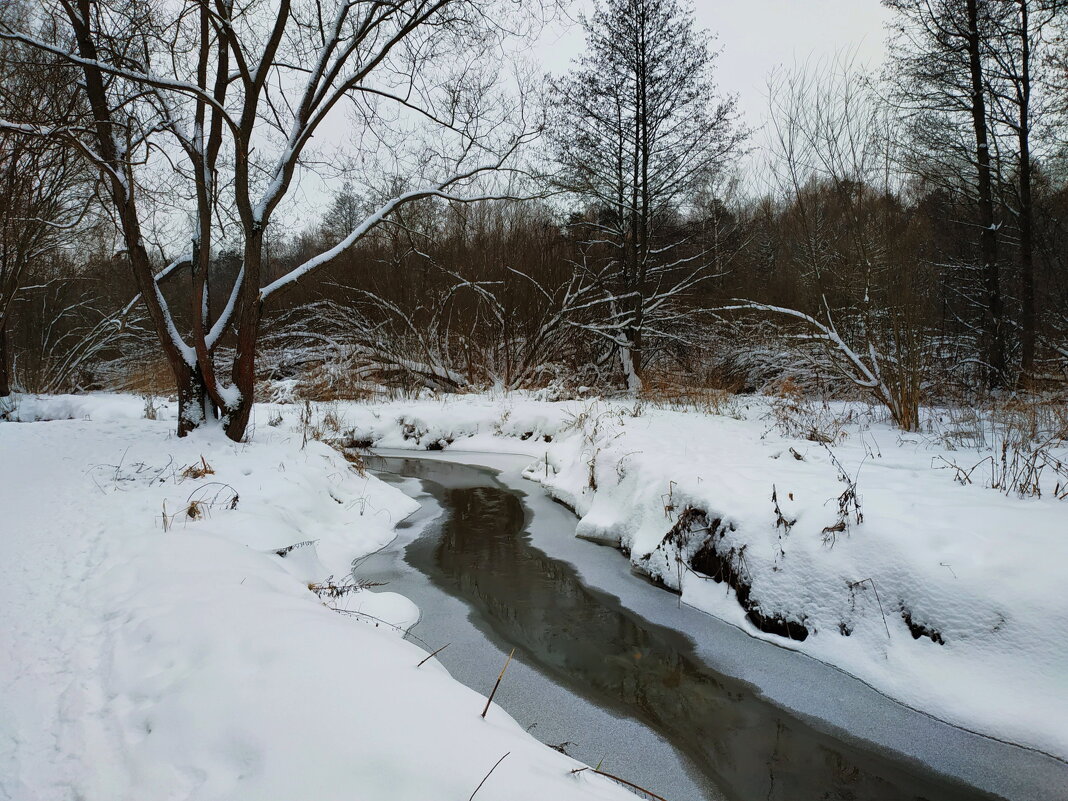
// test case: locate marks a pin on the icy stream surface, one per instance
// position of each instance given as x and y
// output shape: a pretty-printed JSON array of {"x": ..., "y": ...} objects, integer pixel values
[{"x": 621, "y": 675}]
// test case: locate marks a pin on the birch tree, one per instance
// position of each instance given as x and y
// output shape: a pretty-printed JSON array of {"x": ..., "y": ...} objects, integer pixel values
[{"x": 227, "y": 96}]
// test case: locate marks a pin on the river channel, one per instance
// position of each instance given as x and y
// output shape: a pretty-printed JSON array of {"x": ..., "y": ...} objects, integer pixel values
[{"x": 618, "y": 674}]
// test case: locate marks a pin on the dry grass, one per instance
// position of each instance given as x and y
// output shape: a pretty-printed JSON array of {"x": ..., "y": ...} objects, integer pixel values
[
  {"x": 794, "y": 414},
  {"x": 1033, "y": 418},
  {"x": 151, "y": 377},
  {"x": 196, "y": 470},
  {"x": 355, "y": 459},
  {"x": 683, "y": 393},
  {"x": 1019, "y": 444},
  {"x": 321, "y": 422}
]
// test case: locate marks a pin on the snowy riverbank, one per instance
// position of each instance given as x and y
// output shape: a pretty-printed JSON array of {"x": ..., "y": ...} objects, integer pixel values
[
  {"x": 188, "y": 659},
  {"x": 948, "y": 598}
]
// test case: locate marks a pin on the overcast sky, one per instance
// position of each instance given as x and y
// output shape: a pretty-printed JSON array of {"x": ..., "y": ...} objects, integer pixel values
[{"x": 756, "y": 36}]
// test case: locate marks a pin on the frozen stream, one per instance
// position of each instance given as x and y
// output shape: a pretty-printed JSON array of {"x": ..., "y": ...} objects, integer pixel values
[{"x": 658, "y": 693}]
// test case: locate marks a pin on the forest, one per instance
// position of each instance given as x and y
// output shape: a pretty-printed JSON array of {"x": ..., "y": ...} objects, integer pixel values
[{"x": 893, "y": 233}]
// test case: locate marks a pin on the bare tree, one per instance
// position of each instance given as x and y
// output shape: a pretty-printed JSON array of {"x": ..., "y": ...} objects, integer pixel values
[
  {"x": 45, "y": 190},
  {"x": 846, "y": 233},
  {"x": 940, "y": 65},
  {"x": 1020, "y": 53},
  {"x": 637, "y": 129},
  {"x": 227, "y": 96}
]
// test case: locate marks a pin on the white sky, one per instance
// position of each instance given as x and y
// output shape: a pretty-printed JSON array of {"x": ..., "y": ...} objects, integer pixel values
[{"x": 756, "y": 36}]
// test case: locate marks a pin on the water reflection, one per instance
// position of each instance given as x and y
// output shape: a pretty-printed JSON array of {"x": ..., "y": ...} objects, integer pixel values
[{"x": 586, "y": 641}]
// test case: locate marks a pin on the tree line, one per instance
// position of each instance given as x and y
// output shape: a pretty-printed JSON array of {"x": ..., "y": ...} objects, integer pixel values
[{"x": 896, "y": 234}]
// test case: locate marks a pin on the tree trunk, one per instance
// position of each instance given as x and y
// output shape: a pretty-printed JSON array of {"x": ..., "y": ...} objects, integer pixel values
[
  {"x": 5, "y": 374},
  {"x": 988, "y": 242},
  {"x": 247, "y": 327},
  {"x": 194, "y": 405},
  {"x": 1028, "y": 321},
  {"x": 188, "y": 379},
  {"x": 629, "y": 355},
  {"x": 640, "y": 205},
  {"x": 1028, "y": 313}
]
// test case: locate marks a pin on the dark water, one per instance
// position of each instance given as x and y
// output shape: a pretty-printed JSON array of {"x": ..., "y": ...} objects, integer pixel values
[{"x": 584, "y": 639}]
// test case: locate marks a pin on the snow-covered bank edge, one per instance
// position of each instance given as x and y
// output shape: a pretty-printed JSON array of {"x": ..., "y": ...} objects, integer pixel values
[
  {"x": 168, "y": 644},
  {"x": 944, "y": 599},
  {"x": 981, "y": 569},
  {"x": 821, "y": 694}
]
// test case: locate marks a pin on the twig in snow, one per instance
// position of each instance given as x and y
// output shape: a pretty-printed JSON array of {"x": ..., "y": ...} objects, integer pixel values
[
  {"x": 498, "y": 762},
  {"x": 196, "y": 471},
  {"x": 855, "y": 584},
  {"x": 848, "y": 501},
  {"x": 497, "y": 684},
  {"x": 678, "y": 571},
  {"x": 781, "y": 520},
  {"x": 224, "y": 495},
  {"x": 632, "y": 785},
  {"x": 431, "y": 656},
  {"x": 669, "y": 505},
  {"x": 283, "y": 552}
]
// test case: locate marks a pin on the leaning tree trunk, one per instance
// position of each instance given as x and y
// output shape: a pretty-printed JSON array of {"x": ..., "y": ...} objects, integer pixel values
[{"x": 193, "y": 406}]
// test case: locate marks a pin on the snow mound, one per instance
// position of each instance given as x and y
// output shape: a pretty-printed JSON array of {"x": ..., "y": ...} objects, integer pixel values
[{"x": 164, "y": 641}]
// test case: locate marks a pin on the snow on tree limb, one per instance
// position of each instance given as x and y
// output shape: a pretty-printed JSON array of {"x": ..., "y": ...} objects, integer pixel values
[{"x": 383, "y": 211}]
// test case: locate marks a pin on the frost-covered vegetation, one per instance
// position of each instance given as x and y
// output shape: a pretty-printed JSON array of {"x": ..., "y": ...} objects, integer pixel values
[
  {"x": 811, "y": 375},
  {"x": 900, "y": 558},
  {"x": 890, "y": 236}
]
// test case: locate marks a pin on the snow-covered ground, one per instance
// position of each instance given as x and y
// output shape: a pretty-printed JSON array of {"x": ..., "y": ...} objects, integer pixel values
[
  {"x": 155, "y": 645},
  {"x": 198, "y": 659},
  {"x": 947, "y": 597}
]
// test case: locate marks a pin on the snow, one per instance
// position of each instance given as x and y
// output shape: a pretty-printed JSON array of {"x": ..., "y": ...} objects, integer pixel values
[
  {"x": 979, "y": 574},
  {"x": 194, "y": 662},
  {"x": 230, "y": 395},
  {"x": 156, "y": 645}
]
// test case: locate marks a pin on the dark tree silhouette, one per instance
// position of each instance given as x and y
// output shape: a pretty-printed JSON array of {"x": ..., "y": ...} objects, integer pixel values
[{"x": 637, "y": 128}]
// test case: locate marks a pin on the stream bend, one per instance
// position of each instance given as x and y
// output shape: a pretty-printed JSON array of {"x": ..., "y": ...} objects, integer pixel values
[{"x": 493, "y": 567}]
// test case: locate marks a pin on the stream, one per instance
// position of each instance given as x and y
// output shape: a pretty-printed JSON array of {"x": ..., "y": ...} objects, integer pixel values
[{"x": 650, "y": 690}]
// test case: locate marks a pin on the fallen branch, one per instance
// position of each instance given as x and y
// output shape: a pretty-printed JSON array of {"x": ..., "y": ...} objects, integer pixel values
[
  {"x": 498, "y": 762},
  {"x": 431, "y": 656},
  {"x": 632, "y": 785}
]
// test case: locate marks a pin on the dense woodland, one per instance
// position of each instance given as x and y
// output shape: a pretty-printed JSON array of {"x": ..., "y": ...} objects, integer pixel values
[{"x": 898, "y": 234}]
